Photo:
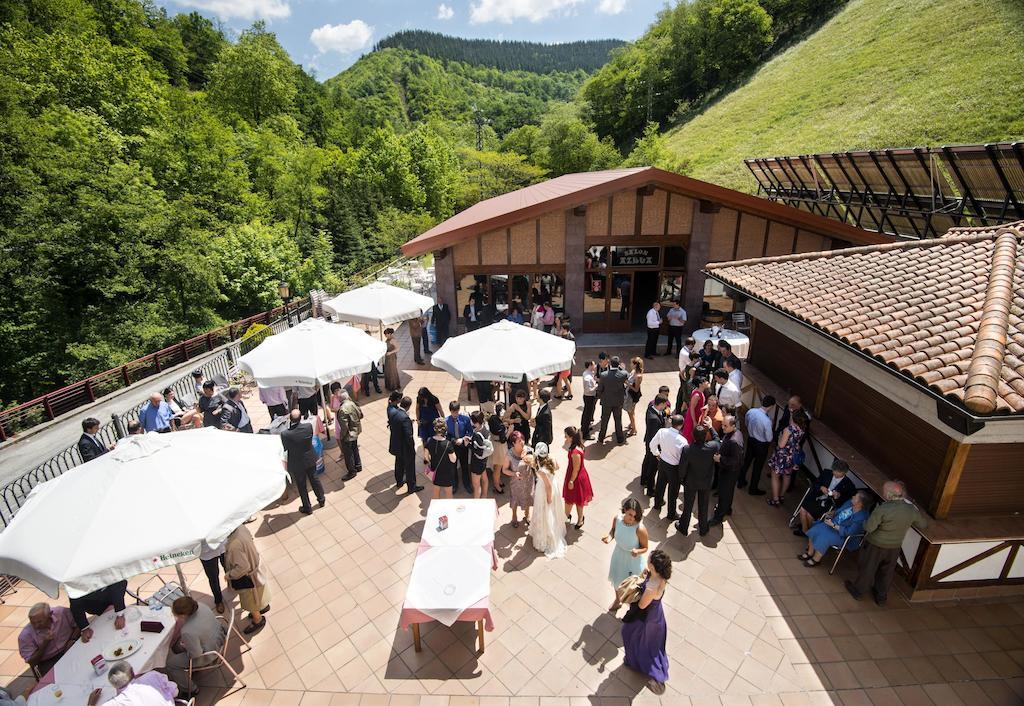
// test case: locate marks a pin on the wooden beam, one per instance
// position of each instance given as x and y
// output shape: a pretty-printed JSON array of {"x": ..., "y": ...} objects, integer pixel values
[
  {"x": 949, "y": 478},
  {"x": 668, "y": 211},
  {"x": 819, "y": 400}
]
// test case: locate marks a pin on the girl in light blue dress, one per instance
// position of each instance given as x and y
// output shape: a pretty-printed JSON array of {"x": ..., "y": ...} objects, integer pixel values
[{"x": 630, "y": 545}]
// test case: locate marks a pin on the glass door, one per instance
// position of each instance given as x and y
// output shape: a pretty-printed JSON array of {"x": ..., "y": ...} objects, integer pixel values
[{"x": 620, "y": 309}]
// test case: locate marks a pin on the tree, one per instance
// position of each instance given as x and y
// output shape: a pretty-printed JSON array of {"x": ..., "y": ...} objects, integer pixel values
[
  {"x": 436, "y": 167},
  {"x": 489, "y": 174},
  {"x": 570, "y": 146},
  {"x": 650, "y": 151},
  {"x": 254, "y": 257},
  {"x": 525, "y": 140},
  {"x": 254, "y": 78},
  {"x": 203, "y": 43}
]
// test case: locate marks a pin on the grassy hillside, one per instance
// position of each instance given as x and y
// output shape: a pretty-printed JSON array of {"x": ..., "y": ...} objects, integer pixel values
[{"x": 881, "y": 73}]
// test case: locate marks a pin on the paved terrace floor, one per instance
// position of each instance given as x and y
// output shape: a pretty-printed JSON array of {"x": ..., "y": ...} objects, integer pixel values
[{"x": 748, "y": 624}]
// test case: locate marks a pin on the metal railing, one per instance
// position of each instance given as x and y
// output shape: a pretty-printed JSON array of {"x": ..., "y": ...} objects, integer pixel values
[{"x": 48, "y": 407}]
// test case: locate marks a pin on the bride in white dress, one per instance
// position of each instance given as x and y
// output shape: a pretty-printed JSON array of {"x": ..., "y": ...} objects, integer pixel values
[{"x": 547, "y": 529}]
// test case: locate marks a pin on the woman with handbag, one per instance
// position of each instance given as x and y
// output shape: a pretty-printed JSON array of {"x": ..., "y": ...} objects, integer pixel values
[
  {"x": 788, "y": 457},
  {"x": 439, "y": 456},
  {"x": 243, "y": 568},
  {"x": 499, "y": 440},
  {"x": 644, "y": 629},
  {"x": 630, "y": 546},
  {"x": 633, "y": 382}
]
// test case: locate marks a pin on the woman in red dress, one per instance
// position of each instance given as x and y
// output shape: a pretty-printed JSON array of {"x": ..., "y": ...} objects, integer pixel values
[
  {"x": 576, "y": 489},
  {"x": 697, "y": 402}
]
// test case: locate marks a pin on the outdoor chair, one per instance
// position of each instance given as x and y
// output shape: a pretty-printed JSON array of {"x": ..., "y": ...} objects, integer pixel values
[
  {"x": 796, "y": 511},
  {"x": 221, "y": 655},
  {"x": 185, "y": 702},
  {"x": 843, "y": 548},
  {"x": 740, "y": 321}
]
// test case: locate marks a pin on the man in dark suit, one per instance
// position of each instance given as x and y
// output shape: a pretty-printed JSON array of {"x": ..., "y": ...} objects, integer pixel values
[
  {"x": 297, "y": 440},
  {"x": 96, "y": 603},
  {"x": 234, "y": 413},
  {"x": 90, "y": 445},
  {"x": 473, "y": 313},
  {"x": 441, "y": 316},
  {"x": 543, "y": 429},
  {"x": 697, "y": 470},
  {"x": 402, "y": 446},
  {"x": 654, "y": 420},
  {"x": 730, "y": 460},
  {"x": 611, "y": 391}
]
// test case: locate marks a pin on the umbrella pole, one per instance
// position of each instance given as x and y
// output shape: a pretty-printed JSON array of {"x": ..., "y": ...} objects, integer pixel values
[
  {"x": 327, "y": 427},
  {"x": 181, "y": 579}
]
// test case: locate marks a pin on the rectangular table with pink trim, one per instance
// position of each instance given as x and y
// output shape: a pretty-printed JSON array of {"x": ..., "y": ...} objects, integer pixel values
[{"x": 451, "y": 577}]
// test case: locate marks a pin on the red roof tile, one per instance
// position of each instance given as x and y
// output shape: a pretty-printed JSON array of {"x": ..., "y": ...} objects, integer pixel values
[
  {"x": 947, "y": 312},
  {"x": 572, "y": 190}
]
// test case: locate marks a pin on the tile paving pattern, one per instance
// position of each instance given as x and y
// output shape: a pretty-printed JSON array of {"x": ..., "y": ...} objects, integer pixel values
[{"x": 748, "y": 624}]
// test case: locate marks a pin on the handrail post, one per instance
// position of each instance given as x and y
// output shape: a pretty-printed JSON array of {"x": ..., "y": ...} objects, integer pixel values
[
  {"x": 156, "y": 361},
  {"x": 125, "y": 376},
  {"x": 118, "y": 426},
  {"x": 48, "y": 408},
  {"x": 89, "y": 390}
]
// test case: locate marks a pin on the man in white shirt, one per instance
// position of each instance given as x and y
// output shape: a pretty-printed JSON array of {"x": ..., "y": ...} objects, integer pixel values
[
  {"x": 589, "y": 399},
  {"x": 735, "y": 375},
  {"x": 653, "y": 330},
  {"x": 668, "y": 445},
  {"x": 725, "y": 388},
  {"x": 758, "y": 423},
  {"x": 276, "y": 400},
  {"x": 676, "y": 317}
]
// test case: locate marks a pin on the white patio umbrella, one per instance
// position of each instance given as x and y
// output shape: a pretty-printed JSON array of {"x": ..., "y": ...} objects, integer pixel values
[
  {"x": 504, "y": 351},
  {"x": 315, "y": 352},
  {"x": 378, "y": 304},
  {"x": 149, "y": 503}
]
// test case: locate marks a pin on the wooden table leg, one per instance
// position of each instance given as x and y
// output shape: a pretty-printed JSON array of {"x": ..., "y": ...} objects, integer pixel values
[
  {"x": 416, "y": 637},
  {"x": 480, "y": 633}
]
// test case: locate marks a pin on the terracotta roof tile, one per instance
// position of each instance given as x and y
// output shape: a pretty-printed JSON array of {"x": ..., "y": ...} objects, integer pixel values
[{"x": 947, "y": 312}]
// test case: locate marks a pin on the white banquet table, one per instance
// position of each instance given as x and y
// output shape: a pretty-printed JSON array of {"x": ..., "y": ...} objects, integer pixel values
[
  {"x": 740, "y": 342},
  {"x": 74, "y": 672},
  {"x": 451, "y": 577}
]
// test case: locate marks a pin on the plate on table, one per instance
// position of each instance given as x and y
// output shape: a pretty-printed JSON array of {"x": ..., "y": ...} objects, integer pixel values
[{"x": 122, "y": 650}]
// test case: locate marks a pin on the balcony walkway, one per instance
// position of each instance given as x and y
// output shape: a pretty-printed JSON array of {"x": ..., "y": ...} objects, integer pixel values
[{"x": 748, "y": 624}]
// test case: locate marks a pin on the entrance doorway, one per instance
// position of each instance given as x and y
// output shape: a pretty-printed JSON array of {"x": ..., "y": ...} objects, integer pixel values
[
  {"x": 645, "y": 292},
  {"x": 622, "y": 281}
]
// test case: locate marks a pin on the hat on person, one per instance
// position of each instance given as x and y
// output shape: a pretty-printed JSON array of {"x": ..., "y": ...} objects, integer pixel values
[
  {"x": 197, "y": 373},
  {"x": 541, "y": 450}
]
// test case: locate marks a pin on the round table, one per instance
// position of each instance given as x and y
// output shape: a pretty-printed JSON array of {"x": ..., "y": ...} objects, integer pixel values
[{"x": 740, "y": 342}]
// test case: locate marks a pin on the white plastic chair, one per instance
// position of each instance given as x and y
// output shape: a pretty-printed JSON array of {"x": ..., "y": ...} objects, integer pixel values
[{"x": 740, "y": 321}]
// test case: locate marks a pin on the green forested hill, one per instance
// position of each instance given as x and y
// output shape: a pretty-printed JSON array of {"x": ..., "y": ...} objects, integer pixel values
[
  {"x": 506, "y": 55},
  {"x": 881, "y": 73},
  {"x": 404, "y": 87}
]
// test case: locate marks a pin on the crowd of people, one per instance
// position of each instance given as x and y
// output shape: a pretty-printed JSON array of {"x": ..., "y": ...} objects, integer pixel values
[{"x": 695, "y": 450}]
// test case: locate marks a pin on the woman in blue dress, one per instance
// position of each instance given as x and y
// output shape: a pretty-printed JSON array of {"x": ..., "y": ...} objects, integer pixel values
[
  {"x": 835, "y": 527},
  {"x": 428, "y": 408},
  {"x": 644, "y": 628},
  {"x": 630, "y": 546}
]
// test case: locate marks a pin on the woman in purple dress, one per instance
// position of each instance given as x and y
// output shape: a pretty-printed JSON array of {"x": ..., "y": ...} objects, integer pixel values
[{"x": 644, "y": 628}]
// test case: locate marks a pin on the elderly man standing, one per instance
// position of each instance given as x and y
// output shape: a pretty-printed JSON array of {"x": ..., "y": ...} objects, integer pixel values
[
  {"x": 48, "y": 635},
  {"x": 149, "y": 689},
  {"x": 880, "y": 550},
  {"x": 611, "y": 390},
  {"x": 297, "y": 440},
  {"x": 350, "y": 425},
  {"x": 156, "y": 414}
]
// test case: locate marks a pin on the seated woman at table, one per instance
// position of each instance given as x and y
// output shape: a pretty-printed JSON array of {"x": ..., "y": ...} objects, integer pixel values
[
  {"x": 836, "y": 526},
  {"x": 146, "y": 689},
  {"x": 49, "y": 634},
  {"x": 710, "y": 360},
  {"x": 184, "y": 416},
  {"x": 196, "y": 632}
]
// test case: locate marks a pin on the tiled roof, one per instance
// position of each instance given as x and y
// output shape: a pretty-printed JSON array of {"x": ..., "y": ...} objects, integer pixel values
[
  {"x": 570, "y": 190},
  {"x": 946, "y": 312}
]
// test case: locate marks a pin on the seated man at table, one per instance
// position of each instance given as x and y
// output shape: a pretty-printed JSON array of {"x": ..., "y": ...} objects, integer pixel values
[
  {"x": 148, "y": 689},
  {"x": 196, "y": 632},
  {"x": 48, "y": 635},
  {"x": 96, "y": 603},
  {"x": 156, "y": 414}
]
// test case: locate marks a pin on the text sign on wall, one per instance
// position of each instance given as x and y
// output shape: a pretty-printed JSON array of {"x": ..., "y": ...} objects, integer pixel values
[{"x": 636, "y": 256}]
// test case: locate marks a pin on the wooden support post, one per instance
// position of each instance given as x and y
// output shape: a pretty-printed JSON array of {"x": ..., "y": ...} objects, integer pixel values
[
  {"x": 949, "y": 479},
  {"x": 416, "y": 637},
  {"x": 819, "y": 400},
  {"x": 480, "y": 634}
]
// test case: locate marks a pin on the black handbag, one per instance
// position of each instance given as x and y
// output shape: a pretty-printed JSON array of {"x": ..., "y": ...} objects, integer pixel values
[
  {"x": 242, "y": 583},
  {"x": 634, "y": 613}
]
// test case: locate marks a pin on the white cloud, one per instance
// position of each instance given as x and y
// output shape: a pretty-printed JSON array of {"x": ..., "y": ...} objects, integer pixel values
[
  {"x": 445, "y": 12},
  {"x": 342, "y": 38},
  {"x": 511, "y": 10},
  {"x": 611, "y": 7},
  {"x": 243, "y": 9}
]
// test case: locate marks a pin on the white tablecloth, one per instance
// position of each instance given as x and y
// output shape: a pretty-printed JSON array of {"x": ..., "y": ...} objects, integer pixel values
[
  {"x": 74, "y": 670},
  {"x": 448, "y": 580},
  {"x": 470, "y": 523},
  {"x": 740, "y": 342}
]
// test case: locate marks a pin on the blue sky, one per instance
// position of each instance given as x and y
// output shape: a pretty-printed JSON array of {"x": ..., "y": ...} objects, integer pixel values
[{"x": 329, "y": 35}]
